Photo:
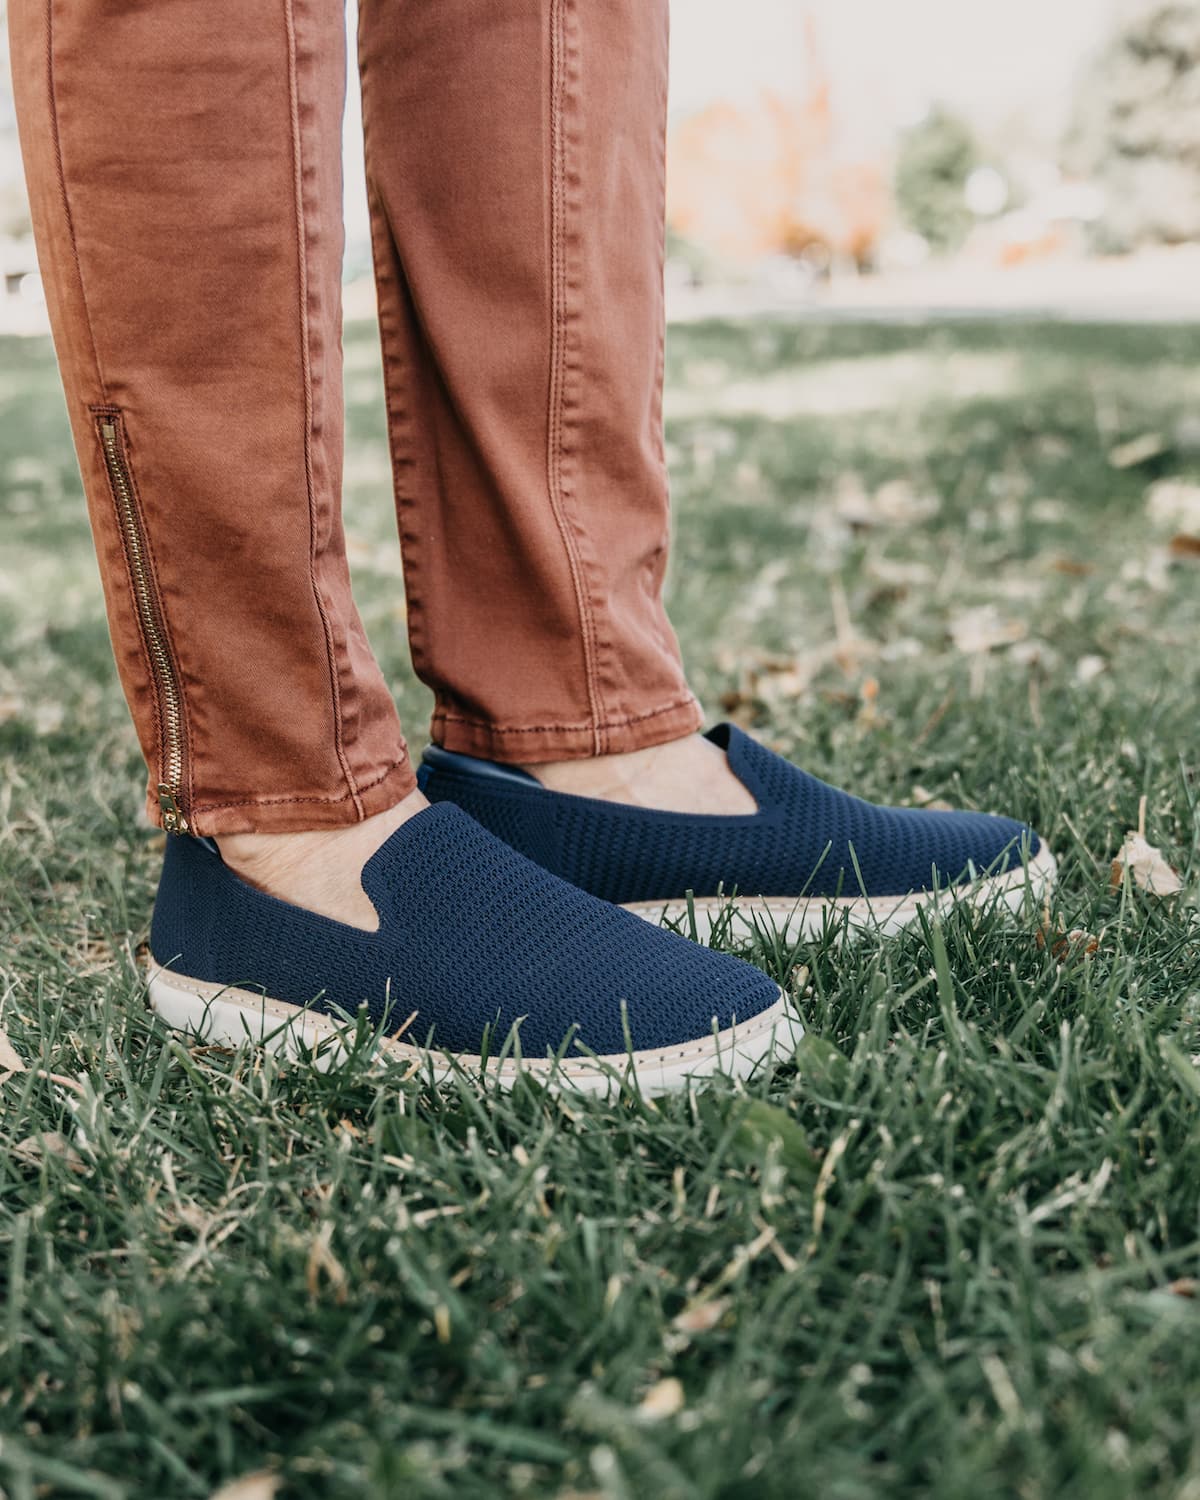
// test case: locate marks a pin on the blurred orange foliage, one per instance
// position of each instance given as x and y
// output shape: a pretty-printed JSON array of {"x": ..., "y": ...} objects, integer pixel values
[{"x": 768, "y": 179}]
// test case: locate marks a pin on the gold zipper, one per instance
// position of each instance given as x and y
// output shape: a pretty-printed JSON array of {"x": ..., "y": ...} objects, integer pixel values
[{"x": 149, "y": 609}]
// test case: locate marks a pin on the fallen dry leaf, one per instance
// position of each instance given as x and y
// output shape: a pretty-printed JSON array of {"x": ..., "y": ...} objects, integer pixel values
[
  {"x": 740, "y": 707},
  {"x": 1033, "y": 653},
  {"x": 1137, "y": 450},
  {"x": 1185, "y": 1286},
  {"x": 1184, "y": 544},
  {"x": 927, "y": 802},
  {"x": 663, "y": 1399},
  {"x": 851, "y": 502},
  {"x": 1144, "y": 862},
  {"x": 1148, "y": 570},
  {"x": 48, "y": 718},
  {"x": 896, "y": 503},
  {"x": 767, "y": 680},
  {"x": 983, "y": 629},
  {"x": 868, "y": 714},
  {"x": 261, "y": 1485},
  {"x": 93, "y": 955},
  {"x": 700, "y": 1317},
  {"x": 1147, "y": 867},
  {"x": 1176, "y": 503},
  {"x": 34, "y": 1150},
  {"x": 1073, "y": 566},
  {"x": 11, "y": 1060},
  {"x": 1078, "y": 943}
]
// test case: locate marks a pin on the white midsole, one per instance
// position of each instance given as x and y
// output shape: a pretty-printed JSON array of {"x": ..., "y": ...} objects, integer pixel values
[
  {"x": 227, "y": 1015},
  {"x": 811, "y": 916}
]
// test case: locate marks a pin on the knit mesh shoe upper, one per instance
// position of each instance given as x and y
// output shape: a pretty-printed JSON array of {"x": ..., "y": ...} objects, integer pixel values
[
  {"x": 805, "y": 839},
  {"x": 471, "y": 936}
]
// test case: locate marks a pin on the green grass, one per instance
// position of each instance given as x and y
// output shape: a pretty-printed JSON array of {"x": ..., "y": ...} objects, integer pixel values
[{"x": 948, "y": 1255}]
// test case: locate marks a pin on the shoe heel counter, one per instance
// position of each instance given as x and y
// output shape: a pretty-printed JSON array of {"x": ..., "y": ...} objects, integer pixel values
[{"x": 178, "y": 927}]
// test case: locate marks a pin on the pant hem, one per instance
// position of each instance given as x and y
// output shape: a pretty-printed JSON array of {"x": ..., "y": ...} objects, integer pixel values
[
  {"x": 515, "y": 744},
  {"x": 300, "y": 814}
]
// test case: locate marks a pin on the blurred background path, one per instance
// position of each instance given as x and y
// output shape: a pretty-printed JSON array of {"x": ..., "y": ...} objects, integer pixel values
[{"x": 859, "y": 159}]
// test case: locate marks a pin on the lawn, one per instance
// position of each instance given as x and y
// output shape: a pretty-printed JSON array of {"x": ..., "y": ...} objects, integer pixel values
[{"x": 954, "y": 1251}]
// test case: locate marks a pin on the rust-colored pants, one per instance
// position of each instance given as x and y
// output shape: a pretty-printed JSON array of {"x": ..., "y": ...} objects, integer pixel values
[{"x": 183, "y": 159}]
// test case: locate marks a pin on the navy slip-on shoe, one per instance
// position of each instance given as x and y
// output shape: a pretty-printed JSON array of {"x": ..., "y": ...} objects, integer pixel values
[
  {"x": 473, "y": 940},
  {"x": 808, "y": 852}
]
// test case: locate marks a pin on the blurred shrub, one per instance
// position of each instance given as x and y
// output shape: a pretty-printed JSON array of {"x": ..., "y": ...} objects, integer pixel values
[
  {"x": 935, "y": 159},
  {"x": 1137, "y": 128}
]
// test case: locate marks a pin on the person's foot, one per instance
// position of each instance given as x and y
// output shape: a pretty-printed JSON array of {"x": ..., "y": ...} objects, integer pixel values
[
  {"x": 689, "y": 775},
  {"x": 319, "y": 869},
  {"x": 470, "y": 940},
  {"x": 681, "y": 843}
]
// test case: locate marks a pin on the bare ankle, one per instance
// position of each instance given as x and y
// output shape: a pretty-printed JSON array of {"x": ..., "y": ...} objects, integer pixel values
[
  {"x": 689, "y": 775},
  {"x": 319, "y": 869}
]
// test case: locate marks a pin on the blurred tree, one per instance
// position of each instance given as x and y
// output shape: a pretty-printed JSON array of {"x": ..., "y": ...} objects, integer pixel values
[
  {"x": 1137, "y": 127},
  {"x": 935, "y": 159}
]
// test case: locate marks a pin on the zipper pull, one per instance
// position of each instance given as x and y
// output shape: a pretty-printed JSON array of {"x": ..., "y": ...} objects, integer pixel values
[{"x": 172, "y": 814}]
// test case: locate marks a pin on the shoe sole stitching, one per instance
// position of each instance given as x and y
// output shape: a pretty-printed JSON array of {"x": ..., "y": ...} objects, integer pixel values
[
  {"x": 1042, "y": 867},
  {"x": 286, "y": 1013}
]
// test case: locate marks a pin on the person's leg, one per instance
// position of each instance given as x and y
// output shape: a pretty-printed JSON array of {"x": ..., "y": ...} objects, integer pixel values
[
  {"x": 521, "y": 301},
  {"x": 515, "y": 170},
  {"x": 184, "y": 171},
  {"x": 515, "y": 160}
]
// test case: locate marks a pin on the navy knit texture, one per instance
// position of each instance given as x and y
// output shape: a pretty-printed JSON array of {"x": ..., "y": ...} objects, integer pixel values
[
  {"x": 798, "y": 843},
  {"x": 471, "y": 936}
]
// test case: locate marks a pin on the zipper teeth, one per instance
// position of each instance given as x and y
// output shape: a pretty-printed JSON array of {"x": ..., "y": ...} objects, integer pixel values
[{"x": 169, "y": 696}]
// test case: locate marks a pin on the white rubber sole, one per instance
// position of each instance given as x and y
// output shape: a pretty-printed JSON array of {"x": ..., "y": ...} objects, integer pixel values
[
  {"x": 228, "y": 1016},
  {"x": 810, "y": 916}
]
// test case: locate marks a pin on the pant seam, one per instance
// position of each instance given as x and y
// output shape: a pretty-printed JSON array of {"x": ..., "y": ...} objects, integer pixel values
[
  {"x": 560, "y": 315},
  {"x": 302, "y": 259},
  {"x": 52, "y": 93},
  {"x": 210, "y": 807},
  {"x": 385, "y": 261},
  {"x": 620, "y": 723},
  {"x": 660, "y": 175},
  {"x": 391, "y": 293}
]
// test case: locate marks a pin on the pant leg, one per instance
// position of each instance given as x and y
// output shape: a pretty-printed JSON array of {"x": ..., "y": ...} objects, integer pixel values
[
  {"x": 515, "y": 165},
  {"x": 184, "y": 168}
]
